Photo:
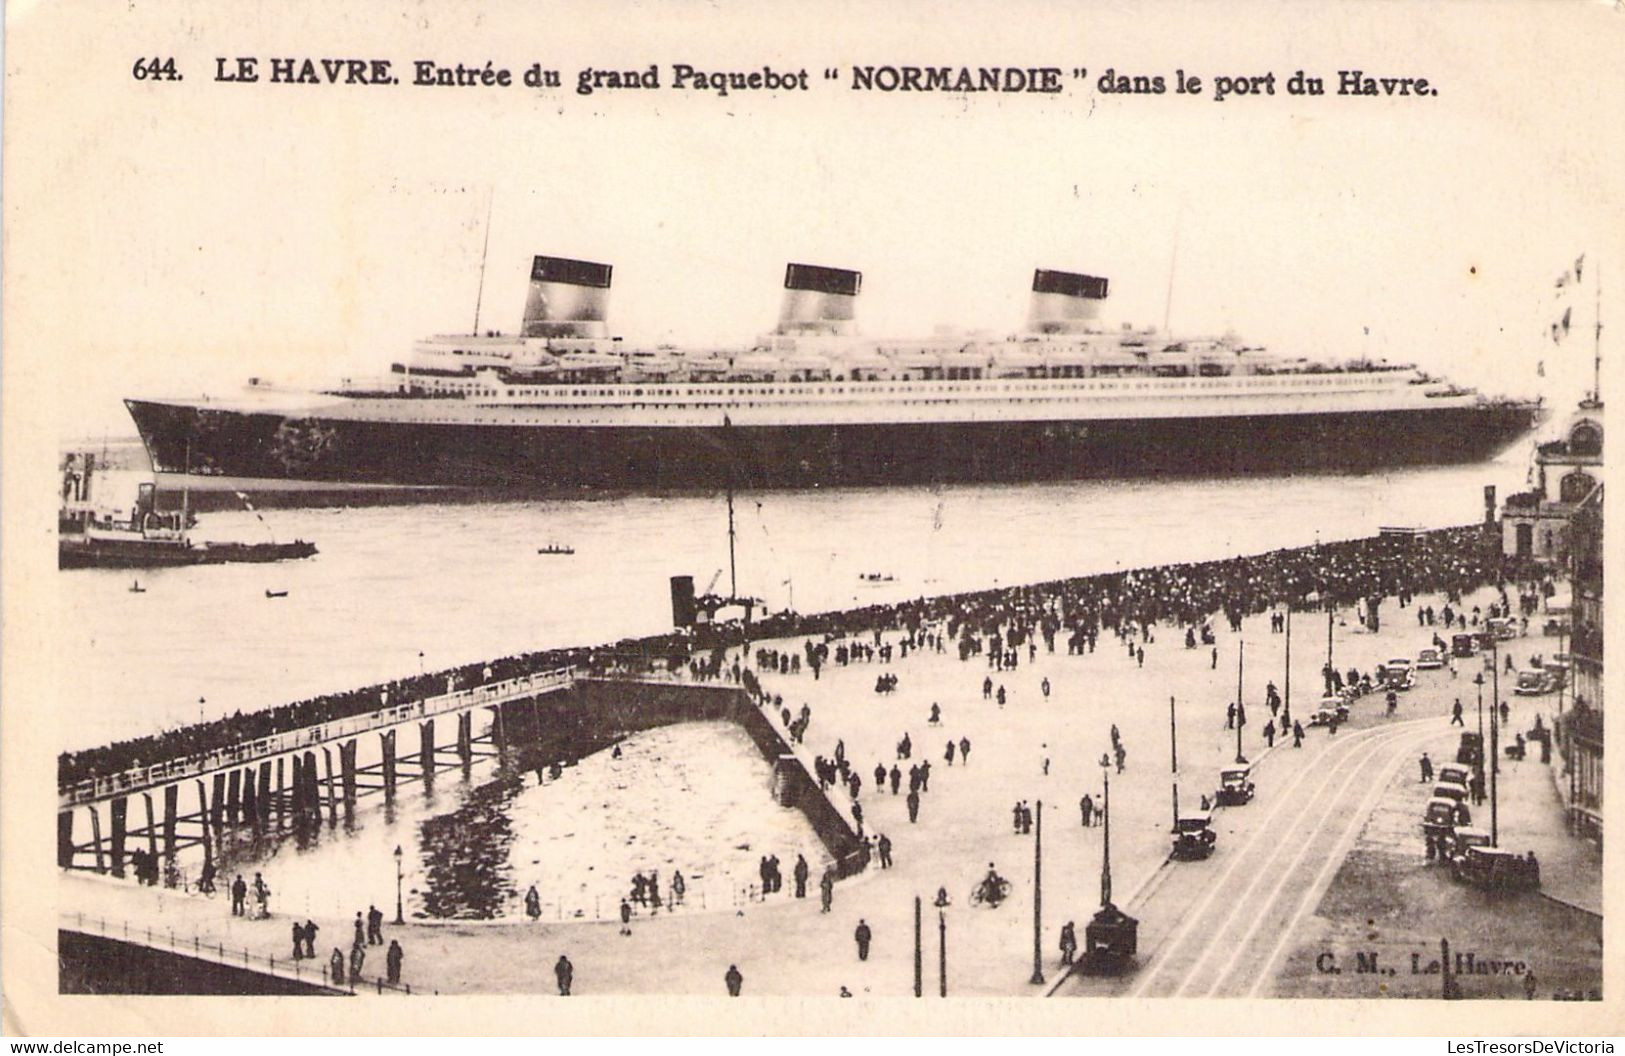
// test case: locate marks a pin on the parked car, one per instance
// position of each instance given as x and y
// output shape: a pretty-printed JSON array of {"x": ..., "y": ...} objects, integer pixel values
[
  {"x": 1429, "y": 659},
  {"x": 1533, "y": 682}
]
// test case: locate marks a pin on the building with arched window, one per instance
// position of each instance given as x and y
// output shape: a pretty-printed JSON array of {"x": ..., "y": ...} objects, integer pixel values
[{"x": 1535, "y": 523}]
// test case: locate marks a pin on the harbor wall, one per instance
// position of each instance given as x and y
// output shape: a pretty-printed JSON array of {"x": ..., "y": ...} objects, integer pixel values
[{"x": 94, "y": 964}]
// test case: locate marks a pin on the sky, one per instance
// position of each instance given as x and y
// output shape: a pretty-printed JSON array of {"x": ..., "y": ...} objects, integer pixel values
[{"x": 173, "y": 238}]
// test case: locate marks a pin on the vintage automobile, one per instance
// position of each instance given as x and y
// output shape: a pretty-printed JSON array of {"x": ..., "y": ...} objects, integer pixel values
[
  {"x": 1462, "y": 645},
  {"x": 1235, "y": 786},
  {"x": 1533, "y": 683},
  {"x": 1456, "y": 775},
  {"x": 1494, "y": 869},
  {"x": 1397, "y": 673},
  {"x": 1463, "y": 837},
  {"x": 1471, "y": 750},
  {"x": 1441, "y": 816},
  {"x": 1194, "y": 837},
  {"x": 1503, "y": 628},
  {"x": 1110, "y": 941},
  {"x": 1450, "y": 790},
  {"x": 1429, "y": 659}
]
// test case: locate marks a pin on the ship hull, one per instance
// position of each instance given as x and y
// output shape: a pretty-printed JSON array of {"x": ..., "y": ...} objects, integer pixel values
[
  {"x": 107, "y": 553},
  {"x": 538, "y": 457}
]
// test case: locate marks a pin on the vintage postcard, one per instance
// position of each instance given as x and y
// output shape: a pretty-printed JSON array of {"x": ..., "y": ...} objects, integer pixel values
[{"x": 981, "y": 518}]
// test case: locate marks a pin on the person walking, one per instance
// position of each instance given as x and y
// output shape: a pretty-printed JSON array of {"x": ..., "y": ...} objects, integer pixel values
[
  {"x": 626, "y": 917},
  {"x": 1069, "y": 943},
  {"x": 239, "y": 897},
  {"x": 1214, "y": 666},
  {"x": 913, "y": 802},
  {"x": 358, "y": 957},
  {"x": 826, "y": 890},
  {"x": 335, "y": 967},
  {"x": 393, "y": 959},
  {"x": 375, "y": 926},
  {"x": 360, "y": 931},
  {"x": 1269, "y": 732},
  {"x": 1455, "y": 713},
  {"x": 949, "y": 754},
  {"x": 310, "y": 939},
  {"x": 801, "y": 872},
  {"x": 298, "y": 941},
  {"x": 565, "y": 973},
  {"x": 1086, "y": 806},
  {"x": 964, "y": 753},
  {"x": 1297, "y": 735},
  {"x": 884, "y": 848},
  {"x": 733, "y": 980},
  {"x": 863, "y": 935},
  {"x": 1426, "y": 765}
]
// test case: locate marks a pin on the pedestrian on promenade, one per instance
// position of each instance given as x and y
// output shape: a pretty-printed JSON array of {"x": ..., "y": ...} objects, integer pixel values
[
  {"x": 1214, "y": 666},
  {"x": 565, "y": 973},
  {"x": 360, "y": 931},
  {"x": 1122, "y": 756},
  {"x": 262, "y": 897},
  {"x": 533, "y": 903},
  {"x": 1139, "y": 656},
  {"x": 801, "y": 872},
  {"x": 298, "y": 941},
  {"x": 1297, "y": 735},
  {"x": 936, "y": 714},
  {"x": 1044, "y": 685},
  {"x": 1230, "y": 717},
  {"x": 913, "y": 802},
  {"x": 1427, "y": 768},
  {"x": 1506, "y": 713},
  {"x": 1069, "y": 942},
  {"x": 863, "y": 935},
  {"x": 678, "y": 886},
  {"x": 896, "y": 779},
  {"x": 964, "y": 755},
  {"x": 375, "y": 926},
  {"x": 884, "y": 847},
  {"x": 626, "y": 917},
  {"x": 358, "y": 957},
  {"x": 239, "y": 897},
  {"x": 1015, "y": 813},
  {"x": 1086, "y": 806},
  {"x": 335, "y": 967},
  {"x": 1475, "y": 786},
  {"x": 1455, "y": 713},
  {"x": 826, "y": 890},
  {"x": 393, "y": 959},
  {"x": 949, "y": 753},
  {"x": 1001, "y": 696},
  {"x": 880, "y": 775},
  {"x": 734, "y": 980},
  {"x": 925, "y": 766},
  {"x": 1269, "y": 732},
  {"x": 310, "y": 938}
]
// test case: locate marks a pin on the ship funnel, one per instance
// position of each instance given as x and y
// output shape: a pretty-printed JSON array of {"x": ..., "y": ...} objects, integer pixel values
[
  {"x": 819, "y": 300},
  {"x": 567, "y": 298},
  {"x": 1064, "y": 302}
]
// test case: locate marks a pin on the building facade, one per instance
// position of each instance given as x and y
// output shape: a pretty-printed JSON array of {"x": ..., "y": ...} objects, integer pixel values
[
  {"x": 1581, "y": 728},
  {"x": 1535, "y": 523}
]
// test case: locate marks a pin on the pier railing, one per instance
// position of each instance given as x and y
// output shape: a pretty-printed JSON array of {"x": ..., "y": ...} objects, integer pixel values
[
  {"x": 311, "y": 971},
  {"x": 156, "y": 775}
]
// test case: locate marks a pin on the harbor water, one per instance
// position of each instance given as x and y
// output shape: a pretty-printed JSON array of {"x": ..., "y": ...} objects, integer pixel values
[{"x": 399, "y": 589}]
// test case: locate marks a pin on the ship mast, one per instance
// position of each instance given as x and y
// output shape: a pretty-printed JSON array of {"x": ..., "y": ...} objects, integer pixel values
[{"x": 479, "y": 295}]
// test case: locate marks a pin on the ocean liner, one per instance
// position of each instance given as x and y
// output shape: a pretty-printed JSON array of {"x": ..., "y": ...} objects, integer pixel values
[{"x": 563, "y": 404}]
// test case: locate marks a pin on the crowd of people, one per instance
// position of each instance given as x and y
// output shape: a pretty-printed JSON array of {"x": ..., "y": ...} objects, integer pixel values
[{"x": 1000, "y": 622}]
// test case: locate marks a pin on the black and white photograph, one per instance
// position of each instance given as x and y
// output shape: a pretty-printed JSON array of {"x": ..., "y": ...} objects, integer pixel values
[{"x": 983, "y": 507}]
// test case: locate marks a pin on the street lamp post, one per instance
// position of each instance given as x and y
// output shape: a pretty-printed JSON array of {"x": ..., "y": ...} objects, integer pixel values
[
  {"x": 1495, "y": 740},
  {"x": 1241, "y": 708},
  {"x": 400, "y": 916},
  {"x": 1038, "y": 897},
  {"x": 1106, "y": 837},
  {"x": 1478, "y": 680}
]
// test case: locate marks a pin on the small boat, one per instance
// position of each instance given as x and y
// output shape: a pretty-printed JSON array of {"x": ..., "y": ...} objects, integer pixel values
[
  {"x": 877, "y": 577},
  {"x": 556, "y": 548},
  {"x": 276, "y": 593},
  {"x": 137, "y": 588}
]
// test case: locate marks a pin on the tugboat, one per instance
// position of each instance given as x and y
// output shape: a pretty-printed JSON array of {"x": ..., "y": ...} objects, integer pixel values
[
  {"x": 561, "y": 549},
  {"x": 90, "y": 538}
]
